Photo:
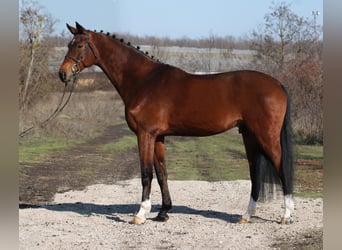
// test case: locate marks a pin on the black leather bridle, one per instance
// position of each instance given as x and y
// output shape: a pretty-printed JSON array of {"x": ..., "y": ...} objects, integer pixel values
[{"x": 79, "y": 60}]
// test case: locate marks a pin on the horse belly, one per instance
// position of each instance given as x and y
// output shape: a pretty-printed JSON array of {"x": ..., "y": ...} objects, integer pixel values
[{"x": 204, "y": 119}]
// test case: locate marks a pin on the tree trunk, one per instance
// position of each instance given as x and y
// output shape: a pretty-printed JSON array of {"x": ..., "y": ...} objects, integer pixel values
[{"x": 28, "y": 80}]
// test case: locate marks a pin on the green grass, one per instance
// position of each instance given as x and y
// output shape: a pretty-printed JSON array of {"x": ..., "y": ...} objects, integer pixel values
[
  {"x": 215, "y": 158},
  {"x": 123, "y": 144},
  {"x": 222, "y": 157},
  {"x": 35, "y": 150},
  {"x": 309, "y": 178},
  {"x": 308, "y": 152}
]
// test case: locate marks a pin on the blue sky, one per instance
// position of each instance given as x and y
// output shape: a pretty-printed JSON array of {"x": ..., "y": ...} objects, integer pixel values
[{"x": 172, "y": 18}]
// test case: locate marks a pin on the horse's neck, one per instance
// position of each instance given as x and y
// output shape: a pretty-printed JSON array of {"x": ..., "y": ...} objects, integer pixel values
[{"x": 123, "y": 66}]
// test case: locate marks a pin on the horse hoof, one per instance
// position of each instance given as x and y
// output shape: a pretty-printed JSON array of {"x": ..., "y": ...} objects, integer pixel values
[
  {"x": 162, "y": 218},
  {"x": 243, "y": 220},
  {"x": 286, "y": 221},
  {"x": 138, "y": 220}
]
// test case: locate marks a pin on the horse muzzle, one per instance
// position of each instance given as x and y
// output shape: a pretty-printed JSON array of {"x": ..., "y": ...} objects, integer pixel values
[
  {"x": 63, "y": 76},
  {"x": 66, "y": 75}
]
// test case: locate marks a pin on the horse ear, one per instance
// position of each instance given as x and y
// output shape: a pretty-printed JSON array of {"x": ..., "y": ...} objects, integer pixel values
[
  {"x": 71, "y": 29},
  {"x": 80, "y": 28}
]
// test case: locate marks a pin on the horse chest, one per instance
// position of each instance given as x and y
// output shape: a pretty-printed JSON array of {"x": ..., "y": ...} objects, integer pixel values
[{"x": 145, "y": 117}]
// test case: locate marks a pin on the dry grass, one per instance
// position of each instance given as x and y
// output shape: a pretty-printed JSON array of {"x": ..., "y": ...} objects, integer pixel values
[{"x": 86, "y": 114}]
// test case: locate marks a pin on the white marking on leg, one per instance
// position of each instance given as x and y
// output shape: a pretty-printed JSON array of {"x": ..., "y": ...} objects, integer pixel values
[
  {"x": 251, "y": 209},
  {"x": 145, "y": 208},
  {"x": 289, "y": 207}
]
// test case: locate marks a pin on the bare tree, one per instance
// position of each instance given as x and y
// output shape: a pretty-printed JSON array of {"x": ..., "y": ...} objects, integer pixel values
[
  {"x": 288, "y": 47},
  {"x": 283, "y": 37},
  {"x": 35, "y": 25}
]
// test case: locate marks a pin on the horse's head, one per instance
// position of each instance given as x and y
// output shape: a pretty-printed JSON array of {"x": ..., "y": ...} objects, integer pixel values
[{"x": 81, "y": 53}]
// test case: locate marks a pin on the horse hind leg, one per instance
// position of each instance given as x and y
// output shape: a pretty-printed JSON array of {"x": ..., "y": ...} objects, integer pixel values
[
  {"x": 262, "y": 183},
  {"x": 252, "y": 151},
  {"x": 263, "y": 174},
  {"x": 287, "y": 168},
  {"x": 288, "y": 198},
  {"x": 289, "y": 207},
  {"x": 278, "y": 156}
]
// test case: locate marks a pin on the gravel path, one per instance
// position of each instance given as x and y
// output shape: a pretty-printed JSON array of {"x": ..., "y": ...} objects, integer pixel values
[{"x": 204, "y": 216}]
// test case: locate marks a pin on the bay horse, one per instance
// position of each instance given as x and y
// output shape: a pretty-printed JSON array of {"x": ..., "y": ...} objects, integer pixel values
[{"x": 162, "y": 100}]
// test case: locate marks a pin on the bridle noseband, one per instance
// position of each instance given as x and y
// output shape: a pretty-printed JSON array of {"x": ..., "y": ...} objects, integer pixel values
[{"x": 79, "y": 60}]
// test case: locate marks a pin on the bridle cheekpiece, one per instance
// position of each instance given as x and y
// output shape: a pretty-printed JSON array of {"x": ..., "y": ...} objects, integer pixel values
[{"x": 79, "y": 60}]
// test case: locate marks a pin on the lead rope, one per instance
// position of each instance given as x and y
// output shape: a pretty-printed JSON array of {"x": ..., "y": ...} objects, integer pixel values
[{"x": 59, "y": 109}]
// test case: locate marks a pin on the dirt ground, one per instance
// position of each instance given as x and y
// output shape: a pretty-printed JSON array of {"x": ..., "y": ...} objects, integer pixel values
[
  {"x": 204, "y": 216},
  {"x": 62, "y": 171},
  {"x": 93, "y": 211}
]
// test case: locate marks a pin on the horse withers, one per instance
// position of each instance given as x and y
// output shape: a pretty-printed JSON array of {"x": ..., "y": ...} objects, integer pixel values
[{"x": 162, "y": 100}]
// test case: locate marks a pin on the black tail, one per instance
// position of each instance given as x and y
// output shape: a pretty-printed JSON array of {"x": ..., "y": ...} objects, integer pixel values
[
  {"x": 287, "y": 166},
  {"x": 266, "y": 170},
  {"x": 270, "y": 183}
]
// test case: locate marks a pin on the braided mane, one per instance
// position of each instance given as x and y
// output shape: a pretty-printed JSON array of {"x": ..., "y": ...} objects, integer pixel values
[{"x": 152, "y": 57}]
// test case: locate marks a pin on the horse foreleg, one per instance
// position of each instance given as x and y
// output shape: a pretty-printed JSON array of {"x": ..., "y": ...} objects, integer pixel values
[
  {"x": 160, "y": 167},
  {"x": 146, "y": 152}
]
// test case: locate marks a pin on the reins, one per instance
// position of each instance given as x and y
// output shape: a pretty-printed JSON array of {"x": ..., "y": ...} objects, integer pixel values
[{"x": 61, "y": 105}]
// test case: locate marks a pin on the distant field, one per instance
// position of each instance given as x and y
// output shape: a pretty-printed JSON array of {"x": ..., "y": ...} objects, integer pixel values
[{"x": 223, "y": 59}]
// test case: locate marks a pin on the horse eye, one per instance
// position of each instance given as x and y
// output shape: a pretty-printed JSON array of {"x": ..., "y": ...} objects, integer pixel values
[{"x": 80, "y": 46}]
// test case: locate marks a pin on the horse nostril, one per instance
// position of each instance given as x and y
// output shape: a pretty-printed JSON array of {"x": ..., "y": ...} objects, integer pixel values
[{"x": 62, "y": 75}]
